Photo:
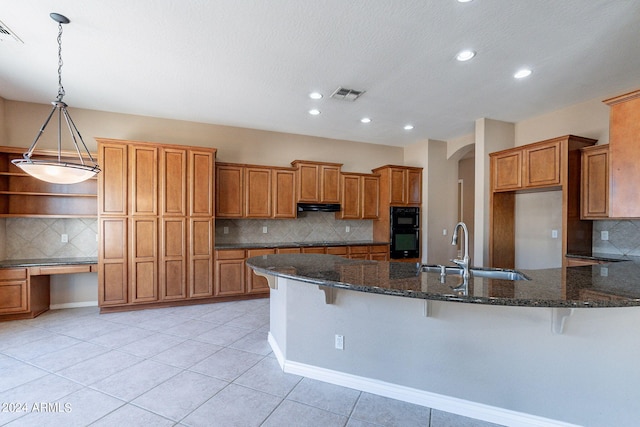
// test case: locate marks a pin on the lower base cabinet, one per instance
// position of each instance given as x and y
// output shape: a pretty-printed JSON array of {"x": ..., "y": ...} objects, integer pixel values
[
  {"x": 21, "y": 296},
  {"x": 230, "y": 272},
  {"x": 257, "y": 284}
]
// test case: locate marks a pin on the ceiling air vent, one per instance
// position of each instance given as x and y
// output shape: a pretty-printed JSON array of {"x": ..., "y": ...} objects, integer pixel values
[
  {"x": 6, "y": 35},
  {"x": 346, "y": 94}
]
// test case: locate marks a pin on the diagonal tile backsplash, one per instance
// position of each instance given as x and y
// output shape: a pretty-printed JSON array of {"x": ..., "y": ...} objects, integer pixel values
[
  {"x": 29, "y": 238},
  {"x": 311, "y": 227},
  {"x": 624, "y": 237}
]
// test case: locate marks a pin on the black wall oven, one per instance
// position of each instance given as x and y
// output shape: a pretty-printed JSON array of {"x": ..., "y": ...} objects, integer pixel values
[{"x": 405, "y": 233}]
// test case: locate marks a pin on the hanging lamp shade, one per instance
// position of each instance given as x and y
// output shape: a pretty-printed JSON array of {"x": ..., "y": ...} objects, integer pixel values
[{"x": 60, "y": 170}]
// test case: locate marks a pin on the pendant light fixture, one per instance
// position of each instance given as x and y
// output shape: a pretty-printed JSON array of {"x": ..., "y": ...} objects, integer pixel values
[{"x": 60, "y": 171}]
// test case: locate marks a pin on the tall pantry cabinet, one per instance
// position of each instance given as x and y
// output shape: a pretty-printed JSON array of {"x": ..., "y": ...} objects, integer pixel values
[{"x": 156, "y": 219}]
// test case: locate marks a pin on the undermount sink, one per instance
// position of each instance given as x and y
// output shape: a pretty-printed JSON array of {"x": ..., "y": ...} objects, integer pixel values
[{"x": 489, "y": 273}]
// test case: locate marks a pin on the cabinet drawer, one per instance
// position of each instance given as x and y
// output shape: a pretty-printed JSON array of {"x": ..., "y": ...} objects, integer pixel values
[
  {"x": 230, "y": 254},
  {"x": 359, "y": 249},
  {"x": 378, "y": 249},
  {"x": 13, "y": 274},
  {"x": 337, "y": 250}
]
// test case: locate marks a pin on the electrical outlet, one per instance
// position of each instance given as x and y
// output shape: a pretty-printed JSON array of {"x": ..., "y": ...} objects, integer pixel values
[
  {"x": 444, "y": 231},
  {"x": 604, "y": 271},
  {"x": 225, "y": 230},
  {"x": 264, "y": 229},
  {"x": 64, "y": 238},
  {"x": 554, "y": 234},
  {"x": 339, "y": 342},
  {"x": 604, "y": 235},
  {"x": 347, "y": 229}
]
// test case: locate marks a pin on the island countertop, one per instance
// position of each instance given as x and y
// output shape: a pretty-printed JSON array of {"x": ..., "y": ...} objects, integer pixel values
[{"x": 606, "y": 285}]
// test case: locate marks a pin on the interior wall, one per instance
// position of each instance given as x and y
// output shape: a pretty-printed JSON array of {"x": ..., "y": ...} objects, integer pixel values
[
  {"x": 466, "y": 173},
  {"x": 443, "y": 203},
  {"x": 490, "y": 136},
  {"x": 534, "y": 246},
  {"x": 234, "y": 144}
]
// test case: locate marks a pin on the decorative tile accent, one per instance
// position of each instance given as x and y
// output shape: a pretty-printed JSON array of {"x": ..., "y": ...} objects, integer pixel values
[
  {"x": 29, "y": 238},
  {"x": 312, "y": 226},
  {"x": 624, "y": 237}
]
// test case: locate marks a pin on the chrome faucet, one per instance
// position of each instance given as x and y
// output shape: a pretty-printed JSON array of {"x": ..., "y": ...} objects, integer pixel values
[{"x": 464, "y": 262}]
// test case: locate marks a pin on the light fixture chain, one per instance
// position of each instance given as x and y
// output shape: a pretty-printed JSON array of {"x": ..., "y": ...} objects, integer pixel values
[{"x": 61, "y": 92}]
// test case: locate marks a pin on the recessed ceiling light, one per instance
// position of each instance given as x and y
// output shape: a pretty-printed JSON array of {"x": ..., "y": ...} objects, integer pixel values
[
  {"x": 464, "y": 1},
  {"x": 365, "y": 120},
  {"x": 408, "y": 127},
  {"x": 314, "y": 112},
  {"x": 315, "y": 95},
  {"x": 521, "y": 74},
  {"x": 465, "y": 55}
]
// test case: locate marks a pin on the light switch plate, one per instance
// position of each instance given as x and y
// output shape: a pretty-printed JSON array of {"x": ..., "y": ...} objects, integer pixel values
[{"x": 604, "y": 235}]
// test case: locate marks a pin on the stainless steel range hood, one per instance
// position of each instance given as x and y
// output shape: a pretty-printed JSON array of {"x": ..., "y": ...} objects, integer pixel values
[{"x": 318, "y": 207}]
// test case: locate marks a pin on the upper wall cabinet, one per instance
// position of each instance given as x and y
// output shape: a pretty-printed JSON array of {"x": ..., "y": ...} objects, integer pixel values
[
  {"x": 528, "y": 167},
  {"x": 400, "y": 185},
  {"x": 250, "y": 191},
  {"x": 317, "y": 182},
  {"x": 624, "y": 155},
  {"x": 24, "y": 196},
  {"x": 360, "y": 196},
  {"x": 594, "y": 199}
]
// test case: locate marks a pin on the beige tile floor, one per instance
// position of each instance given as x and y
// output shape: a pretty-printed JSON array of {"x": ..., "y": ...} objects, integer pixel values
[{"x": 203, "y": 365}]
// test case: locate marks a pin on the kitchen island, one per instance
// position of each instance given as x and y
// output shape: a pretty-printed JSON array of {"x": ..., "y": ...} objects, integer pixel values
[{"x": 490, "y": 353}]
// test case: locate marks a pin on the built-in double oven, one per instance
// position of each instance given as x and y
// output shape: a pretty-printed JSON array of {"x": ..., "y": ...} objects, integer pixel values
[{"x": 405, "y": 232}]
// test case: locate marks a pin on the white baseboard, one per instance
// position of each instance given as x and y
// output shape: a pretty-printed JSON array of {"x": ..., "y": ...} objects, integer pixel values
[
  {"x": 440, "y": 402},
  {"x": 73, "y": 305}
]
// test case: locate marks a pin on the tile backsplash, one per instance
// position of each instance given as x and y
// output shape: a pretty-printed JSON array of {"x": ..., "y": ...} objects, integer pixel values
[
  {"x": 29, "y": 238},
  {"x": 624, "y": 237},
  {"x": 310, "y": 227}
]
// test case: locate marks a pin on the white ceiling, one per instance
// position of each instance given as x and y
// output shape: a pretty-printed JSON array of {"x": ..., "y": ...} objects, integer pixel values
[{"x": 252, "y": 63}]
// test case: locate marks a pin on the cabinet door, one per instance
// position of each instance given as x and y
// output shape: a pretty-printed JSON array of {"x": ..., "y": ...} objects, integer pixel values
[
  {"x": 173, "y": 182},
  {"x": 173, "y": 259},
  {"x": 397, "y": 185},
  {"x": 229, "y": 272},
  {"x": 143, "y": 171},
  {"x": 542, "y": 165},
  {"x": 370, "y": 197},
  {"x": 201, "y": 243},
  {"x": 257, "y": 182},
  {"x": 414, "y": 187},
  {"x": 257, "y": 284},
  {"x": 229, "y": 191},
  {"x": 595, "y": 182},
  {"x": 506, "y": 171},
  {"x": 350, "y": 206},
  {"x": 359, "y": 252},
  {"x": 143, "y": 281},
  {"x": 112, "y": 262},
  {"x": 14, "y": 297},
  {"x": 112, "y": 181},
  {"x": 284, "y": 193},
  {"x": 329, "y": 184},
  {"x": 201, "y": 183},
  {"x": 308, "y": 183},
  {"x": 379, "y": 252}
]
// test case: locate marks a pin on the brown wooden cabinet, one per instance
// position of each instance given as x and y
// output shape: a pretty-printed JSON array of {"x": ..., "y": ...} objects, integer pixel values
[
  {"x": 594, "y": 199},
  {"x": 532, "y": 166},
  {"x": 257, "y": 192},
  {"x": 21, "y": 195},
  {"x": 156, "y": 223},
  {"x": 624, "y": 155},
  {"x": 229, "y": 190},
  {"x": 317, "y": 182},
  {"x": 14, "y": 291},
  {"x": 230, "y": 272},
  {"x": 257, "y": 284},
  {"x": 554, "y": 164},
  {"x": 400, "y": 185},
  {"x": 359, "y": 196},
  {"x": 251, "y": 191}
]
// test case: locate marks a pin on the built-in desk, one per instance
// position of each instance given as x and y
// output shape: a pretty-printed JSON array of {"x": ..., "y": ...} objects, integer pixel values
[{"x": 24, "y": 283}]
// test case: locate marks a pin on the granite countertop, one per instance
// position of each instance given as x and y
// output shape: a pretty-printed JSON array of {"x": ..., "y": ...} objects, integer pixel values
[
  {"x": 297, "y": 244},
  {"x": 42, "y": 262},
  {"x": 605, "y": 285}
]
